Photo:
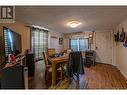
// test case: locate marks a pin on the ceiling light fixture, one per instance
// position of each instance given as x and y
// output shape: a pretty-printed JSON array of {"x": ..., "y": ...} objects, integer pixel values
[{"x": 73, "y": 24}]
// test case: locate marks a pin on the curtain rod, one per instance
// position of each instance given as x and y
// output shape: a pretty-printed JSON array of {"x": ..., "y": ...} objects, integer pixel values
[{"x": 37, "y": 27}]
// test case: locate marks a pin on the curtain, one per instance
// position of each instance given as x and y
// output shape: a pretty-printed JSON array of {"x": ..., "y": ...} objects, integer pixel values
[{"x": 39, "y": 42}]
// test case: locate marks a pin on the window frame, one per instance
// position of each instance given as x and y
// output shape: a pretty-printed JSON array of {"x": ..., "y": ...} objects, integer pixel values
[{"x": 78, "y": 42}]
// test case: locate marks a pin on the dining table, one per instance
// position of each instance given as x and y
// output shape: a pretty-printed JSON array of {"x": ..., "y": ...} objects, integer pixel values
[{"x": 54, "y": 61}]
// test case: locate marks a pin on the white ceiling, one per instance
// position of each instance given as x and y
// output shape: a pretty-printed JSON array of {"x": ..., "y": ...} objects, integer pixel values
[{"x": 55, "y": 17}]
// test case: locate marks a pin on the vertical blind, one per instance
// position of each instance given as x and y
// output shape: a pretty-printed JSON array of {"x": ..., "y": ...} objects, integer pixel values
[
  {"x": 7, "y": 40},
  {"x": 39, "y": 42}
]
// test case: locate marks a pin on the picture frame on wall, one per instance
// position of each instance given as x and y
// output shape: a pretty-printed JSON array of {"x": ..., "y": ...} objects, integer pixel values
[{"x": 60, "y": 41}]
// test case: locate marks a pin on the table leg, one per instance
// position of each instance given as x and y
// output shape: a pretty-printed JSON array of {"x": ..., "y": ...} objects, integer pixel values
[{"x": 53, "y": 74}]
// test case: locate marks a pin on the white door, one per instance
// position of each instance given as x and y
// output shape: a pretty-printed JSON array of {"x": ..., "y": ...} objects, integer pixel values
[{"x": 103, "y": 47}]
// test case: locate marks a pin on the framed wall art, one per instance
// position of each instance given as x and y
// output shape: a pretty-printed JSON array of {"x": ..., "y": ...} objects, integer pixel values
[{"x": 60, "y": 41}]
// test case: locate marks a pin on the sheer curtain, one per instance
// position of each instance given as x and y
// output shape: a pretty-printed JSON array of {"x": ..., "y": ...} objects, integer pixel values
[{"x": 39, "y": 42}]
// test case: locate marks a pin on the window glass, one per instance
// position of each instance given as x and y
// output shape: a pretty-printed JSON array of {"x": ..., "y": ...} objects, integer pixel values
[
  {"x": 80, "y": 44},
  {"x": 74, "y": 44},
  {"x": 83, "y": 44}
]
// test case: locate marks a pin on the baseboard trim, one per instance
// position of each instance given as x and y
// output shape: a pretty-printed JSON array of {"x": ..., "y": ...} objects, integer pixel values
[
  {"x": 104, "y": 63},
  {"x": 122, "y": 72}
]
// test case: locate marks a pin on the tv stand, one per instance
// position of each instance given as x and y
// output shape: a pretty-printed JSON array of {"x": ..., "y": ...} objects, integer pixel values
[{"x": 15, "y": 76}]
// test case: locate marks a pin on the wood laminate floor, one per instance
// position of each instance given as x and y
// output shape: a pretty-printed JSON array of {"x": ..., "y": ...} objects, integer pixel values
[
  {"x": 100, "y": 76},
  {"x": 38, "y": 81},
  {"x": 104, "y": 76}
]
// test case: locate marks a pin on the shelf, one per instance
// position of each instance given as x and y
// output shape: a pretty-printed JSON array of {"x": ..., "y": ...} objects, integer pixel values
[{"x": 90, "y": 57}]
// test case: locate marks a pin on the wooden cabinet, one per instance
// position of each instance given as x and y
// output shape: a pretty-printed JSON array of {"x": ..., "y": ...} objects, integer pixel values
[
  {"x": 13, "y": 77},
  {"x": 30, "y": 64},
  {"x": 90, "y": 57}
]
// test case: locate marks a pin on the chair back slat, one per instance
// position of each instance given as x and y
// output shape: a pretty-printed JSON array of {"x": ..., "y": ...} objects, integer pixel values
[{"x": 45, "y": 58}]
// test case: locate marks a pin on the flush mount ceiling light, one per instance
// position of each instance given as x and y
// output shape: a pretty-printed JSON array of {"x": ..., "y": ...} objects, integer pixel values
[{"x": 73, "y": 24}]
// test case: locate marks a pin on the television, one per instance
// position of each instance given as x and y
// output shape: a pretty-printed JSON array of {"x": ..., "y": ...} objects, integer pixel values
[{"x": 12, "y": 41}]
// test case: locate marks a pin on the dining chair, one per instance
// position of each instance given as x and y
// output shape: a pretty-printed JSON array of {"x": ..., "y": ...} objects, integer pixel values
[
  {"x": 69, "y": 50},
  {"x": 48, "y": 69},
  {"x": 75, "y": 66},
  {"x": 51, "y": 51}
]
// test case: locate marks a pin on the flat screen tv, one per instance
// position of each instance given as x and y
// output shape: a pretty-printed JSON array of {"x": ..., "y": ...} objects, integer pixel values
[{"x": 12, "y": 42}]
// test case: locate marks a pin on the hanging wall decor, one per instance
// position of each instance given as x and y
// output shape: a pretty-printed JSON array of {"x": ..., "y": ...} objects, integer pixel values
[
  {"x": 116, "y": 36},
  {"x": 122, "y": 36},
  {"x": 60, "y": 41},
  {"x": 125, "y": 42}
]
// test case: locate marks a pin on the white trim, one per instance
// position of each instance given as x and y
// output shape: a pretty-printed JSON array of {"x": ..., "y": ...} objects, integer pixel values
[
  {"x": 49, "y": 36},
  {"x": 26, "y": 77},
  {"x": 122, "y": 72}
]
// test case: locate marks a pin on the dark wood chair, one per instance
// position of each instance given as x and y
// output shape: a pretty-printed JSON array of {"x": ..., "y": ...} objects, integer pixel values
[
  {"x": 48, "y": 69},
  {"x": 51, "y": 51}
]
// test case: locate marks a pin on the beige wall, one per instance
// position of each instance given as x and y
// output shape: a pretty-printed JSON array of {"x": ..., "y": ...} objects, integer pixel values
[
  {"x": 54, "y": 42},
  {"x": 103, "y": 44},
  {"x": 78, "y": 35},
  {"x": 24, "y": 31},
  {"x": 121, "y": 52},
  {"x": 20, "y": 28},
  {"x": 102, "y": 40}
]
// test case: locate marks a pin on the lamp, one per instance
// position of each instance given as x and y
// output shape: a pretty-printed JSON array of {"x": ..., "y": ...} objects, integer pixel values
[
  {"x": 90, "y": 35},
  {"x": 73, "y": 24},
  {"x": 91, "y": 40}
]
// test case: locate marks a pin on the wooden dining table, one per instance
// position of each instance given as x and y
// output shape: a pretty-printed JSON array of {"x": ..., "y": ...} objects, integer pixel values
[{"x": 55, "y": 61}]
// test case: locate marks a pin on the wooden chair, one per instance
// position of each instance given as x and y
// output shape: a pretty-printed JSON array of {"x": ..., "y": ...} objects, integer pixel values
[
  {"x": 69, "y": 50},
  {"x": 75, "y": 67},
  {"x": 51, "y": 51},
  {"x": 48, "y": 68}
]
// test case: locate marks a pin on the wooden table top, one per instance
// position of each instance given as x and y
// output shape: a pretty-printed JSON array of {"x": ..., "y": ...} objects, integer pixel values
[{"x": 59, "y": 59}]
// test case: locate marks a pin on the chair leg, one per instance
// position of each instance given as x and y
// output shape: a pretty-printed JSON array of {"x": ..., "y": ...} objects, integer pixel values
[
  {"x": 77, "y": 82},
  {"x": 61, "y": 72},
  {"x": 46, "y": 75}
]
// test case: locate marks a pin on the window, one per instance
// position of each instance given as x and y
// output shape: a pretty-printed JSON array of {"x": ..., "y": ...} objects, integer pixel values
[
  {"x": 74, "y": 44},
  {"x": 80, "y": 44},
  {"x": 8, "y": 43},
  {"x": 39, "y": 42},
  {"x": 83, "y": 44}
]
